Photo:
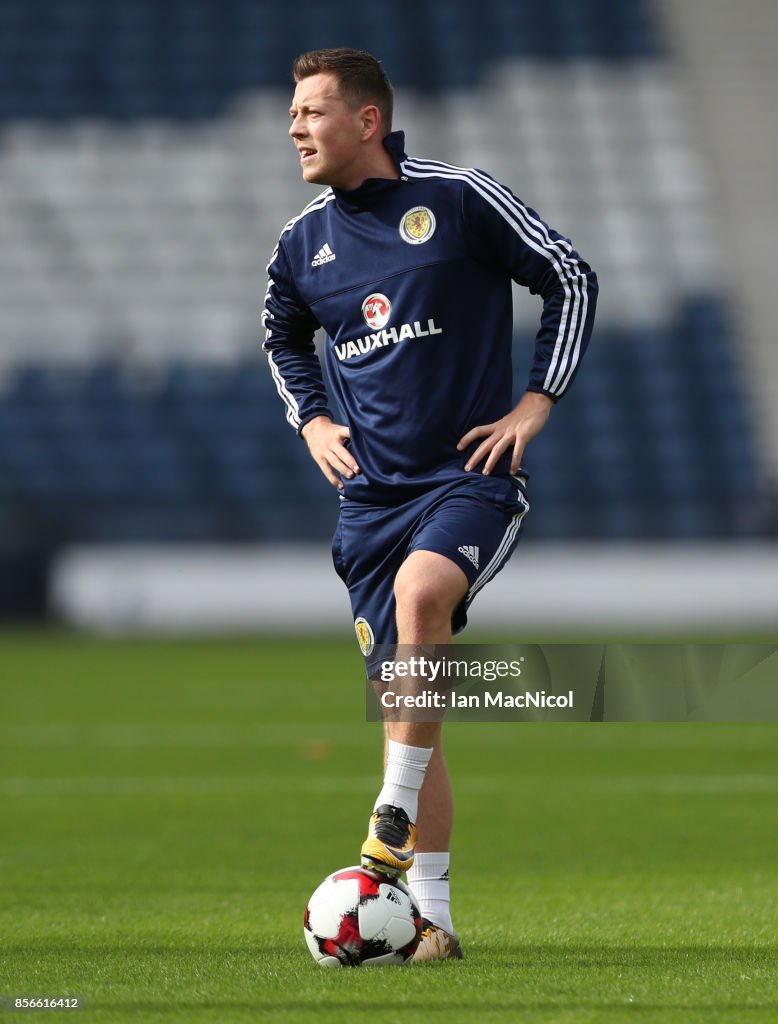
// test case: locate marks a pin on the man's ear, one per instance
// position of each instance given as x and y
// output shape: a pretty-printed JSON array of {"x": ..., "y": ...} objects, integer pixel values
[{"x": 371, "y": 122}]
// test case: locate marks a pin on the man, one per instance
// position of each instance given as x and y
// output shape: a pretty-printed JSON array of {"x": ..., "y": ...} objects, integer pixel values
[{"x": 407, "y": 264}]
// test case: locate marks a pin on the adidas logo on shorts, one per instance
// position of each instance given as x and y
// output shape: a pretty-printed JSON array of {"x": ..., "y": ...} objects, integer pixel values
[
  {"x": 324, "y": 255},
  {"x": 470, "y": 551}
]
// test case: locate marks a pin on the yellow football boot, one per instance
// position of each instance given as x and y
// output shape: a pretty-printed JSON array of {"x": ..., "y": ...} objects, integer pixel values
[{"x": 391, "y": 841}]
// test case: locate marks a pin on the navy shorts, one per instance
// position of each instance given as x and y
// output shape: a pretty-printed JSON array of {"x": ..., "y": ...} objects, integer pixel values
[{"x": 475, "y": 521}]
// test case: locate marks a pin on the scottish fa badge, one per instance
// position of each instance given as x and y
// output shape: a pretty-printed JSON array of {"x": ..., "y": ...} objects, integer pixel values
[
  {"x": 365, "y": 635},
  {"x": 418, "y": 225}
]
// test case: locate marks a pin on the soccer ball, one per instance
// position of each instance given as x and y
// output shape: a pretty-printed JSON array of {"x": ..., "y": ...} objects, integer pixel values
[{"x": 360, "y": 918}]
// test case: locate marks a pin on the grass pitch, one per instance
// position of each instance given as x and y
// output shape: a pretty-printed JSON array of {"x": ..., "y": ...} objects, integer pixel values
[{"x": 168, "y": 807}]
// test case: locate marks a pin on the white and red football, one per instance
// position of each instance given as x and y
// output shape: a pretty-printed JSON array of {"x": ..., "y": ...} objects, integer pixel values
[{"x": 360, "y": 918}]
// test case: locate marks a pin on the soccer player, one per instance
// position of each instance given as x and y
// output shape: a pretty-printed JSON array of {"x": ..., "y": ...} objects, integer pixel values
[{"x": 407, "y": 264}]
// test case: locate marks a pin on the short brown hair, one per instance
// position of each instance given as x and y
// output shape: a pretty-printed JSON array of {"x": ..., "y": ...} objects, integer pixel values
[{"x": 361, "y": 78}]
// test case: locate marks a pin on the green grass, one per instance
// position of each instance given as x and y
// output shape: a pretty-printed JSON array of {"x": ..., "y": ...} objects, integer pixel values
[{"x": 167, "y": 807}]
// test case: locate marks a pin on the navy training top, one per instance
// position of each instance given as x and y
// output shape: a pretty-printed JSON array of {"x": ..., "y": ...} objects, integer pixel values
[{"x": 411, "y": 280}]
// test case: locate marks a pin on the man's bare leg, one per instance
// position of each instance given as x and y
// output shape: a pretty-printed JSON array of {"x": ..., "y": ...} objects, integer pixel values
[{"x": 427, "y": 590}]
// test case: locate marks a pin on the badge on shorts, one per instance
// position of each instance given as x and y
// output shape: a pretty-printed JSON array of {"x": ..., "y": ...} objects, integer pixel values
[
  {"x": 364, "y": 635},
  {"x": 418, "y": 225}
]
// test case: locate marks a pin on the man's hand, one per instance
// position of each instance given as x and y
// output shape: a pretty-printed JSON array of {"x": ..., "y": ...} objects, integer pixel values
[
  {"x": 515, "y": 431},
  {"x": 325, "y": 443}
]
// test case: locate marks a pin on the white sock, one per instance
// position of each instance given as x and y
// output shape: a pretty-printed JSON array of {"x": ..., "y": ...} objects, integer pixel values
[
  {"x": 405, "y": 769},
  {"x": 428, "y": 881}
]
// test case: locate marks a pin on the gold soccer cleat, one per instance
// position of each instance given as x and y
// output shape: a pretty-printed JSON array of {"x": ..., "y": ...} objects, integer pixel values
[
  {"x": 436, "y": 944},
  {"x": 391, "y": 841}
]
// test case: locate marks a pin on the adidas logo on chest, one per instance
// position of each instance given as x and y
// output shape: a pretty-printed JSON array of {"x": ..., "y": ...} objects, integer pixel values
[{"x": 324, "y": 255}]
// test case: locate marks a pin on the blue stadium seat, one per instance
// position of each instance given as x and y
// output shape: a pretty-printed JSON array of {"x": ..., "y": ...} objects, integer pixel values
[{"x": 187, "y": 61}]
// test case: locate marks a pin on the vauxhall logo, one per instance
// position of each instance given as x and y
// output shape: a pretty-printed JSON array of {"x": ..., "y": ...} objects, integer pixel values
[{"x": 377, "y": 311}]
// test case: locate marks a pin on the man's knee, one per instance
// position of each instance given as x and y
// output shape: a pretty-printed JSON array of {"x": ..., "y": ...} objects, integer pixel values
[
  {"x": 420, "y": 598},
  {"x": 429, "y": 586}
]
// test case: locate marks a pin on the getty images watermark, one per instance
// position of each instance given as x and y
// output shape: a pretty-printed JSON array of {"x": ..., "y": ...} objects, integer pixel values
[
  {"x": 426, "y": 674},
  {"x": 573, "y": 682},
  {"x": 467, "y": 682}
]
